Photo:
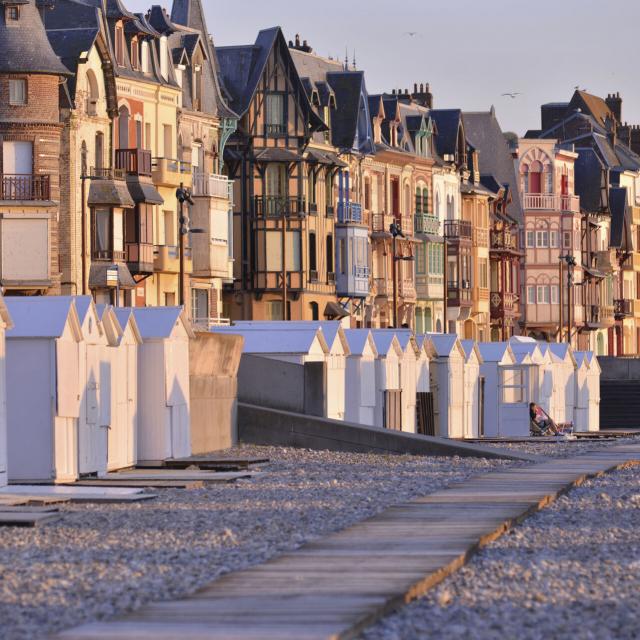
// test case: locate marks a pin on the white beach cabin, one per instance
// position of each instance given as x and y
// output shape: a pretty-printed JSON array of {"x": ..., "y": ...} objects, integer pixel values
[
  {"x": 163, "y": 383},
  {"x": 408, "y": 378},
  {"x": 424, "y": 401},
  {"x": 360, "y": 392},
  {"x": 95, "y": 388},
  {"x": 336, "y": 359},
  {"x": 388, "y": 412},
  {"x": 564, "y": 366},
  {"x": 447, "y": 384},
  {"x": 43, "y": 382},
  {"x": 473, "y": 390},
  {"x": 587, "y": 410},
  {"x": 538, "y": 357},
  {"x": 123, "y": 435},
  {"x": 507, "y": 389},
  {"x": 5, "y": 323}
]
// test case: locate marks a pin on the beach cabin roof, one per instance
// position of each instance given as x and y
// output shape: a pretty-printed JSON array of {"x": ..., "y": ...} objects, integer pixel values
[
  {"x": 446, "y": 344},
  {"x": 424, "y": 344},
  {"x": 159, "y": 322},
  {"x": 471, "y": 351},
  {"x": 361, "y": 342},
  {"x": 529, "y": 350},
  {"x": 386, "y": 342},
  {"x": 406, "y": 340},
  {"x": 498, "y": 352},
  {"x": 588, "y": 358},
  {"x": 296, "y": 341},
  {"x": 86, "y": 306},
  {"x": 562, "y": 352},
  {"x": 5, "y": 316},
  {"x": 43, "y": 317},
  {"x": 124, "y": 317},
  {"x": 112, "y": 328}
]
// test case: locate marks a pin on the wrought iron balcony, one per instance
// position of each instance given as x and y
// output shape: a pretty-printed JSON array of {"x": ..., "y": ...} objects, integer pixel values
[
  {"x": 458, "y": 230},
  {"x": 106, "y": 173},
  {"x": 278, "y": 206},
  {"x": 504, "y": 241},
  {"x": 622, "y": 308},
  {"x": 349, "y": 212},
  {"x": 24, "y": 187},
  {"x": 426, "y": 224},
  {"x": 107, "y": 255},
  {"x": 134, "y": 162},
  {"x": 503, "y": 303}
]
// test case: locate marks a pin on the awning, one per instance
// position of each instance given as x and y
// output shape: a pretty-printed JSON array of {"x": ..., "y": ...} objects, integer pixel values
[
  {"x": 333, "y": 310},
  {"x": 334, "y": 160},
  {"x": 594, "y": 273},
  {"x": 98, "y": 276},
  {"x": 111, "y": 193},
  {"x": 276, "y": 154},
  {"x": 144, "y": 192},
  {"x": 431, "y": 237},
  {"x": 317, "y": 157}
]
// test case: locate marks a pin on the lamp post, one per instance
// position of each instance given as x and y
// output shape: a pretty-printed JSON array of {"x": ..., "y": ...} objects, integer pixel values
[
  {"x": 183, "y": 195},
  {"x": 396, "y": 231},
  {"x": 571, "y": 263}
]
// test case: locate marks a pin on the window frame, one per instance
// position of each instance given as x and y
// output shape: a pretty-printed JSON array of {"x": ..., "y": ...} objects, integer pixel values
[
  {"x": 9, "y": 9},
  {"x": 271, "y": 127},
  {"x": 22, "y": 82}
]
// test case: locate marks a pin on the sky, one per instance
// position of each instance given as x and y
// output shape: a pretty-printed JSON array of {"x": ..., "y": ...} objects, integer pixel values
[{"x": 470, "y": 51}]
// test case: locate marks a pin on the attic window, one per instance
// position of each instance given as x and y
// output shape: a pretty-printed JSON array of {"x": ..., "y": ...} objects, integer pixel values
[
  {"x": 12, "y": 13},
  {"x": 135, "y": 56},
  {"x": 119, "y": 45}
]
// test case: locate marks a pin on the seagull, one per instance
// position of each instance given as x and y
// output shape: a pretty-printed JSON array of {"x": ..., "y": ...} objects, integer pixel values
[
  {"x": 513, "y": 95},
  {"x": 411, "y": 34}
]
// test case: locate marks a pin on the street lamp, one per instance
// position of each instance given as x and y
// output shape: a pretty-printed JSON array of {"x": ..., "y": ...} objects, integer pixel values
[
  {"x": 571, "y": 263},
  {"x": 183, "y": 195},
  {"x": 396, "y": 231}
]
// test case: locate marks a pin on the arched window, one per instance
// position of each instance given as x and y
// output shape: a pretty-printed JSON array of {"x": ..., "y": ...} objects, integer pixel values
[
  {"x": 425, "y": 200},
  {"x": 600, "y": 345},
  {"x": 407, "y": 200},
  {"x": 83, "y": 158},
  {"x": 419, "y": 204},
  {"x": 419, "y": 320},
  {"x": 428, "y": 321},
  {"x": 93, "y": 94},
  {"x": 437, "y": 211},
  {"x": 123, "y": 127},
  {"x": 315, "y": 311},
  {"x": 535, "y": 177}
]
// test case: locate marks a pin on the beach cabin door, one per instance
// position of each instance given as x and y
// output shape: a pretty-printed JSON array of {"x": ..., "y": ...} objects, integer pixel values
[
  {"x": 393, "y": 409},
  {"x": 177, "y": 381},
  {"x": 3, "y": 413},
  {"x": 93, "y": 444}
]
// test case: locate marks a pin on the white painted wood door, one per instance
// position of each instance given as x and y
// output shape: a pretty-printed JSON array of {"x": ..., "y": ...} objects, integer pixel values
[
  {"x": 92, "y": 436},
  {"x": 132, "y": 405},
  {"x": 3, "y": 412},
  {"x": 117, "y": 433}
]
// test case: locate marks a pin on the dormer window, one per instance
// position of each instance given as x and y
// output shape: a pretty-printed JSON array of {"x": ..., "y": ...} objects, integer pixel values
[
  {"x": 12, "y": 14},
  {"x": 119, "y": 45},
  {"x": 135, "y": 56}
]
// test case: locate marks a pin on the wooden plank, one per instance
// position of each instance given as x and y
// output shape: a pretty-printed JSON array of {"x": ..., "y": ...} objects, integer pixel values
[
  {"x": 183, "y": 476},
  {"x": 21, "y": 519},
  {"x": 28, "y": 509},
  {"x": 150, "y": 484}
]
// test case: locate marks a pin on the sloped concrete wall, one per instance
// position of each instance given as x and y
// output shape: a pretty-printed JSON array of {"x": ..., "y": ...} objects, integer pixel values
[
  {"x": 619, "y": 393},
  {"x": 213, "y": 367}
]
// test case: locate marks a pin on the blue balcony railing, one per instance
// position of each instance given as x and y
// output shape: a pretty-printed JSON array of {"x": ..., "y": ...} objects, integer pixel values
[
  {"x": 349, "y": 212},
  {"x": 427, "y": 224},
  {"x": 361, "y": 272}
]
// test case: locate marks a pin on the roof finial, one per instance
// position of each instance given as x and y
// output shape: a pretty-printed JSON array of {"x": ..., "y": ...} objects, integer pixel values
[
  {"x": 354, "y": 60},
  {"x": 346, "y": 59}
]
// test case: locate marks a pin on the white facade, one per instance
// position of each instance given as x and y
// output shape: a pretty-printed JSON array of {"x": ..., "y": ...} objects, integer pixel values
[
  {"x": 472, "y": 392},
  {"x": 387, "y": 370},
  {"x": 447, "y": 385},
  {"x": 5, "y": 323},
  {"x": 587, "y": 409},
  {"x": 163, "y": 383},
  {"x": 123, "y": 356},
  {"x": 43, "y": 399},
  {"x": 361, "y": 378},
  {"x": 564, "y": 370}
]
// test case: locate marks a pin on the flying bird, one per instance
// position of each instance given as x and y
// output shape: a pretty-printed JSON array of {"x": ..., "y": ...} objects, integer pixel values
[
  {"x": 513, "y": 94},
  {"x": 411, "y": 34}
]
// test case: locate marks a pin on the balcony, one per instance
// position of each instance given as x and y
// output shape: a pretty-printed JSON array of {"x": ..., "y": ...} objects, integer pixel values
[
  {"x": 167, "y": 259},
  {"x": 107, "y": 255},
  {"x": 278, "y": 206},
  {"x": 205, "y": 324},
  {"x": 598, "y": 317},
  {"x": 426, "y": 224},
  {"x": 605, "y": 261},
  {"x": 24, "y": 187},
  {"x": 551, "y": 202},
  {"x": 104, "y": 173},
  {"x": 381, "y": 222},
  {"x": 635, "y": 215},
  {"x": 134, "y": 162},
  {"x": 480, "y": 238},
  {"x": 503, "y": 304},
  {"x": 212, "y": 185},
  {"x": 139, "y": 257},
  {"x": 429, "y": 286},
  {"x": 623, "y": 308},
  {"x": 458, "y": 230},
  {"x": 275, "y": 129},
  {"x": 407, "y": 289},
  {"x": 349, "y": 213},
  {"x": 632, "y": 263},
  {"x": 504, "y": 241},
  {"x": 383, "y": 286},
  {"x": 459, "y": 293},
  {"x": 168, "y": 172}
]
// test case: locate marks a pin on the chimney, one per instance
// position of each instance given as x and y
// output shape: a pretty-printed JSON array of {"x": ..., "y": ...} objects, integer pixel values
[
  {"x": 614, "y": 102},
  {"x": 422, "y": 96}
]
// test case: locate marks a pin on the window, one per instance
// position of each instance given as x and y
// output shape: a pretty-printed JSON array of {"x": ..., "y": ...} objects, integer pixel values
[
  {"x": 514, "y": 385},
  {"x": 343, "y": 256},
  {"x": 531, "y": 295},
  {"x": 83, "y": 159},
  {"x": 17, "y": 92},
  {"x": 274, "y": 310},
  {"x": 484, "y": 274},
  {"x": 566, "y": 239},
  {"x": 168, "y": 140},
  {"x": 274, "y": 118},
  {"x": 543, "y": 294},
  {"x": 327, "y": 120},
  {"x": 329, "y": 254},
  {"x": 313, "y": 263},
  {"x": 120, "y": 45},
  {"x": 99, "y": 151},
  {"x": 135, "y": 56},
  {"x": 147, "y": 136},
  {"x": 169, "y": 299},
  {"x": 418, "y": 200},
  {"x": 12, "y": 14},
  {"x": 170, "y": 231},
  {"x": 315, "y": 311},
  {"x": 555, "y": 297},
  {"x": 145, "y": 57},
  {"x": 421, "y": 259},
  {"x": 328, "y": 189},
  {"x": 102, "y": 234},
  {"x": 367, "y": 194},
  {"x": 542, "y": 239},
  {"x": 312, "y": 186},
  {"x": 200, "y": 305},
  {"x": 553, "y": 236}
]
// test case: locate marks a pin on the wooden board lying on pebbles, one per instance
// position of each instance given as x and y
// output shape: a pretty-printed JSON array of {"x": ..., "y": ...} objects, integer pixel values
[
  {"x": 73, "y": 493},
  {"x": 336, "y": 586},
  {"x": 206, "y": 463},
  {"x": 183, "y": 476},
  {"x": 149, "y": 484},
  {"x": 27, "y": 518}
]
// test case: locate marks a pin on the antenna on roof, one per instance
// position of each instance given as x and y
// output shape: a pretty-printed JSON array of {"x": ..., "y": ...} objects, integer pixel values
[
  {"x": 354, "y": 60},
  {"x": 346, "y": 59}
]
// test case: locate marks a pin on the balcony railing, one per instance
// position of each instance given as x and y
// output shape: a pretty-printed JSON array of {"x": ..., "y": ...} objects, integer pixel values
[
  {"x": 458, "y": 292},
  {"x": 108, "y": 255},
  {"x": 134, "y": 162},
  {"x": 599, "y": 315},
  {"x": 104, "y": 173},
  {"x": 622, "y": 308},
  {"x": 426, "y": 224},
  {"x": 275, "y": 129},
  {"x": 207, "y": 323},
  {"x": 170, "y": 164},
  {"x": 457, "y": 229},
  {"x": 313, "y": 275},
  {"x": 361, "y": 272},
  {"x": 139, "y": 256},
  {"x": 504, "y": 241},
  {"x": 349, "y": 212},
  {"x": 331, "y": 277},
  {"x": 551, "y": 202},
  {"x": 24, "y": 187},
  {"x": 381, "y": 222},
  {"x": 212, "y": 185},
  {"x": 278, "y": 206},
  {"x": 503, "y": 303}
]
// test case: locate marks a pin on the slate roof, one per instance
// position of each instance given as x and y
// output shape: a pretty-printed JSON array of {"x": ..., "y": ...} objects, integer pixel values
[
  {"x": 384, "y": 341},
  {"x": 25, "y": 47},
  {"x": 83, "y": 304},
  {"x": 618, "y": 207},
  {"x": 443, "y": 343},
  {"x": 589, "y": 178},
  {"x": 483, "y": 130},
  {"x": 448, "y": 123}
]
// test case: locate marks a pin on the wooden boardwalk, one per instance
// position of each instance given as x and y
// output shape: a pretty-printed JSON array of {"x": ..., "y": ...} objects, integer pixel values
[{"x": 335, "y": 587}]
